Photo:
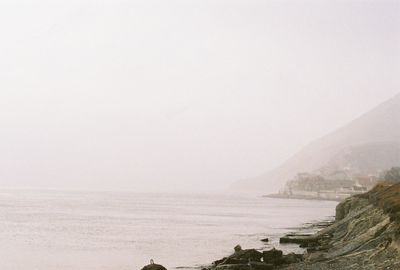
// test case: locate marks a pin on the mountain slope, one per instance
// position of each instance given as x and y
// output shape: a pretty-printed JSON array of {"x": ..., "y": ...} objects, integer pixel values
[{"x": 372, "y": 141}]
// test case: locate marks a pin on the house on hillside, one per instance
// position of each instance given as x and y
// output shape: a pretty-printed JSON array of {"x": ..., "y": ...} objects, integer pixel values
[{"x": 368, "y": 181}]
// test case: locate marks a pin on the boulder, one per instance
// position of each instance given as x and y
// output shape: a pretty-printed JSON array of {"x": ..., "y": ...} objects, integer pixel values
[
  {"x": 247, "y": 255},
  {"x": 265, "y": 240},
  {"x": 153, "y": 266},
  {"x": 241, "y": 256}
]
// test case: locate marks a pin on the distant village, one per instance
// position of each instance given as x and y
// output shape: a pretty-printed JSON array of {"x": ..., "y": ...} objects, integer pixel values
[{"x": 334, "y": 185}]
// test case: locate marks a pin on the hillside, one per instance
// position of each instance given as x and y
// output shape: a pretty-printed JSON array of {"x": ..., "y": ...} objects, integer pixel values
[{"x": 370, "y": 142}]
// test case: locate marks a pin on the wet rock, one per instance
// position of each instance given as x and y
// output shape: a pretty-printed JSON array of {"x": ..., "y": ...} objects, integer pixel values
[
  {"x": 273, "y": 256},
  {"x": 218, "y": 262},
  {"x": 249, "y": 255},
  {"x": 246, "y": 255},
  {"x": 291, "y": 258},
  {"x": 233, "y": 267},
  {"x": 302, "y": 239},
  {"x": 230, "y": 260},
  {"x": 248, "y": 266},
  {"x": 261, "y": 266},
  {"x": 265, "y": 240},
  {"x": 240, "y": 256}
]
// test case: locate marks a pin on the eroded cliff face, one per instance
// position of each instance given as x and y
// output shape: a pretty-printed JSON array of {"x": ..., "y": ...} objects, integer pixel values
[{"x": 364, "y": 236}]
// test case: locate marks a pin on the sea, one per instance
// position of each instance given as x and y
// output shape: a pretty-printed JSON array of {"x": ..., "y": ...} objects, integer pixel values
[{"x": 57, "y": 230}]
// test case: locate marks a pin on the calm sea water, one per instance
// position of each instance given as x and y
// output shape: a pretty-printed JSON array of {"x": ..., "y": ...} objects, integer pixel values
[{"x": 54, "y": 230}]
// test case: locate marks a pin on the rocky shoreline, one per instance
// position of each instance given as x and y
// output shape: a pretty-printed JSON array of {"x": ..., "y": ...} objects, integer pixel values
[{"x": 365, "y": 235}]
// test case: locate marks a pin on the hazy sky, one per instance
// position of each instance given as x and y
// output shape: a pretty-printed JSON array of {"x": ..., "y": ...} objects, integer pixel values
[{"x": 182, "y": 95}]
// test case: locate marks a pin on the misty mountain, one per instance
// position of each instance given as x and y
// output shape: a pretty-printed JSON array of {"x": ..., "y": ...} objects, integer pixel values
[{"x": 368, "y": 143}]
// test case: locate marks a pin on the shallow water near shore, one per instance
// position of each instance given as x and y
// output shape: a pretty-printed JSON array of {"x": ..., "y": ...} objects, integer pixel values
[{"x": 49, "y": 230}]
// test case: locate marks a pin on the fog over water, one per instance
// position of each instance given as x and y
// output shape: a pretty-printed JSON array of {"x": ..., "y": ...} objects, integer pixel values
[
  {"x": 182, "y": 95},
  {"x": 47, "y": 230}
]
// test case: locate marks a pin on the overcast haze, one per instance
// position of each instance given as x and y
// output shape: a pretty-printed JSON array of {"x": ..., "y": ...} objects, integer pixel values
[{"x": 182, "y": 95}]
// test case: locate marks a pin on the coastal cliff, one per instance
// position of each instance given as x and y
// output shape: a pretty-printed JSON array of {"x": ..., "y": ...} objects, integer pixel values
[{"x": 365, "y": 235}]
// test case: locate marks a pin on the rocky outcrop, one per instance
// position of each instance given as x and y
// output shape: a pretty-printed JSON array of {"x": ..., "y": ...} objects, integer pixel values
[
  {"x": 251, "y": 259},
  {"x": 240, "y": 257},
  {"x": 365, "y": 234}
]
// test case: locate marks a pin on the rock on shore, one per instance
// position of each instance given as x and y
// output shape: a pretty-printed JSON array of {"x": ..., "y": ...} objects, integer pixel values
[
  {"x": 365, "y": 234},
  {"x": 153, "y": 266},
  {"x": 251, "y": 259}
]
